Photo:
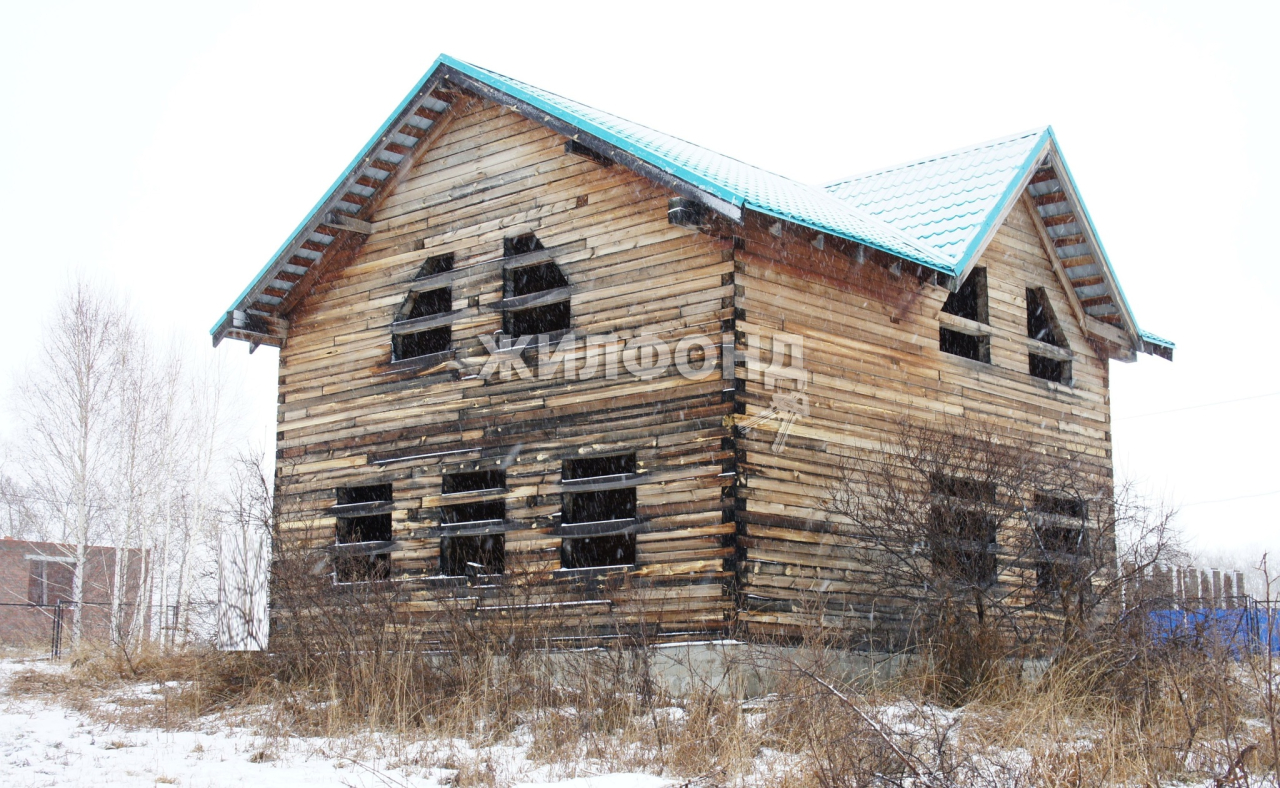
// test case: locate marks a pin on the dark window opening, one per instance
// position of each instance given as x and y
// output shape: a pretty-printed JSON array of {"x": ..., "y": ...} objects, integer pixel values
[
  {"x": 435, "y": 265},
  {"x": 422, "y": 343},
  {"x": 958, "y": 487},
  {"x": 962, "y": 545},
  {"x": 964, "y": 345},
  {"x": 1042, "y": 324},
  {"x": 593, "y": 467},
  {"x": 537, "y": 320},
  {"x": 361, "y": 568},
  {"x": 481, "y": 511},
  {"x": 589, "y": 551},
  {"x": 432, "y": 302},
  {"x": 598, "y": 505},
  {"x": 373, "y": 528},
  {"x": 1048, "y": 577},
  {"x": 473, "y": 481},
  {"x": 473, "y": 555},
  {"x": 521, "y": 244},
  {"x": 50, "y": 582},
  {"x": 1057, "y": 539},
  {"x": 531, "y": 279},
  {"x": 970, "y": 301},
  {"x": 1049, "y": 369},
  {"x": 369, "y": 493},
  {"x": 1067, "y": 507}
]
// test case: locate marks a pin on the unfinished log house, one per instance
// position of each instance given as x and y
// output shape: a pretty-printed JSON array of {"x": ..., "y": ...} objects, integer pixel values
[{"x": 490, "y": 224}]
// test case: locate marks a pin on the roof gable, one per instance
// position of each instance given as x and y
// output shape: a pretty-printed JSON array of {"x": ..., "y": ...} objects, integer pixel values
[{"x": 939, "y": 213}]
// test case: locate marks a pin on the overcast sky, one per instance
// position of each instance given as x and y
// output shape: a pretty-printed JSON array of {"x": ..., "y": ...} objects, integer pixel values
[{"x": 170, "y": 150}]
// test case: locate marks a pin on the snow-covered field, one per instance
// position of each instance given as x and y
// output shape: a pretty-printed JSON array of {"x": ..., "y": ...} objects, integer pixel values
[{"x": 46, "y": 744}]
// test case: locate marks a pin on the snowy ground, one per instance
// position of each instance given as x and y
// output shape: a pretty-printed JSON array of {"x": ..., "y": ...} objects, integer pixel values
[{"x": 44, "y": 744}]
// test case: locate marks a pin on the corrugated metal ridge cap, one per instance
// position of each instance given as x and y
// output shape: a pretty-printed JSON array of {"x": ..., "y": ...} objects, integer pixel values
[
  {"x": 580, "y": 117},
  {"x": 967, "y": 149}
]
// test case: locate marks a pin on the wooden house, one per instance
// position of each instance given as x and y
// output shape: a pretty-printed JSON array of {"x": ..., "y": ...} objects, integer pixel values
[{"x": 472, "y": 326}]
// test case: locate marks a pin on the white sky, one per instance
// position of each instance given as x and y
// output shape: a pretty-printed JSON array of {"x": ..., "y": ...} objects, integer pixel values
[{"x": 170, "y": 150}]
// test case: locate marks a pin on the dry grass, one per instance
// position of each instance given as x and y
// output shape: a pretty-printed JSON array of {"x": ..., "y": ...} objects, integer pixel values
[{"x": 1183, "y": 713}]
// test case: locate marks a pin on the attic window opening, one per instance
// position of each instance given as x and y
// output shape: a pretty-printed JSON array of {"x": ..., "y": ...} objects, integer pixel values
[
  {"x": 351, "y": 567},
  {"x": 575, "y": 148},
  {"x": 964, "y": 345},
  {"x": 969, "y": 302},
  {"x": 1050, "y": 369},
  {"x": 520, "y": 244},
  {"x": 473, "y": 555},
  {"x": 1043, "y": 326},
  {"x": 432, "y": 302},
  {"x": 437, "y": 264},
  {"x": 530, "y": 280},
  {"x": 431, "y": 340},
  {"x": 1042, "y": 323}
]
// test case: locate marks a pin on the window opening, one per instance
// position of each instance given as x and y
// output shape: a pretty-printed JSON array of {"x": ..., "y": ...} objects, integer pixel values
[
  {"x": 431, "y": 340},
  {"x": 961, "y": 539},
  {"x": 598, "y": 505},
  {"x": 473, "y": 555},
  {"x": 590, "y": 551},
  {"x": 965, "y": 345},
  {"x": 432, "y": 302},
  {"x": 1043, "y": 326},
  {"x": 529, "y": 280},
  {"x": 1065, "y": 507},
  {"x": 520, "y": 244},
  {"x": 473, "y": 481},
  {"x": 435, "y": 265},
  {"x": 478, "y": 512},
  {"x": 970, "y": 301},
  {"x": 363, "y": 529}
]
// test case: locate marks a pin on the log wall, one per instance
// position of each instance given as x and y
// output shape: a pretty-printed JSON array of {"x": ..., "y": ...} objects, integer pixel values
[
  {"x": 728, "y": 531},
  {"x": 871, "y": 348},
  {"x": 350, "y": 415}
]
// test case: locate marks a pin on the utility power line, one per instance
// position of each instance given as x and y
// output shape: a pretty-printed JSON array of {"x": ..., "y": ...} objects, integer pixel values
[{"x": 1196, "y": 407}]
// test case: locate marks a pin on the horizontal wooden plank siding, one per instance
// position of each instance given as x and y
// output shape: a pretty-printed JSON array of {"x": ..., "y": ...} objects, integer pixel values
[
  {"x": 872, "y": 358},
  {"x": 351, "y": 415}
]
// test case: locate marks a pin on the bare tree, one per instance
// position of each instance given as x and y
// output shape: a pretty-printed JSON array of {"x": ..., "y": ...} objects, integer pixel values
[
  {"x": 985, "y": 544},
  {"x": 66, "y": 403}
]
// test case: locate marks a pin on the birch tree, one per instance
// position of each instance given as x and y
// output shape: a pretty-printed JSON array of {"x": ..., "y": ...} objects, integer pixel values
[{"x": 66, "y": 401}]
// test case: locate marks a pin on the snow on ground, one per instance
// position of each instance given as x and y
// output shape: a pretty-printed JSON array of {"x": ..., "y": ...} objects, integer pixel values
[{"x": 46, "y": 744}]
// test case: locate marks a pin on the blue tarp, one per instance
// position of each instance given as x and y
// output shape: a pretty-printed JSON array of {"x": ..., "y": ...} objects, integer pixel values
[{"x": 1250, "y": 629}]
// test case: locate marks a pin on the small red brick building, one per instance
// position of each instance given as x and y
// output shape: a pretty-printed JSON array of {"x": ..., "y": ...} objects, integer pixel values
[{"x": 36, "y": 576}]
